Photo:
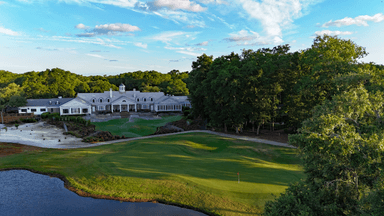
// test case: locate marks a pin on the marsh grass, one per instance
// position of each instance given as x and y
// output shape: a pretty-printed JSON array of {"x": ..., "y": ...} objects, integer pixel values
[
  {"x": 138, "y": 128},
  {"x": 194, "y": 169}
]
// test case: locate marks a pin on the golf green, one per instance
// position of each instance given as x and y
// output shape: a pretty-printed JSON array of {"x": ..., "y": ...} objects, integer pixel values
[
  {"x": 195, "y": 169},
  {"x": 138, "y": 128}
]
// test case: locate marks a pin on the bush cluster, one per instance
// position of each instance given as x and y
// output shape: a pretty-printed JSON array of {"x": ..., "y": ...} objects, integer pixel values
[
  {"x": 28, "y": 120},
  {"x": 57, "y": 117}
]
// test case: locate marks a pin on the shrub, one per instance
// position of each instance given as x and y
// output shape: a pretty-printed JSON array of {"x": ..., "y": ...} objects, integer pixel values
[
  {"x": 17, "y": 126},
  {"x": 45, "y": 115},
  {"x": 186, "y": 112}
]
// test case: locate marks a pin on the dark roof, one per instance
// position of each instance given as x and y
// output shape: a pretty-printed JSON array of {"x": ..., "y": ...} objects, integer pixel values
[{"x": 56, "y": 102}]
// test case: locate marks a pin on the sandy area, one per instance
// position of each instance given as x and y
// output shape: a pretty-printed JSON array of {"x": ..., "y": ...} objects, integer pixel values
[{"x": 38, "y": 134}]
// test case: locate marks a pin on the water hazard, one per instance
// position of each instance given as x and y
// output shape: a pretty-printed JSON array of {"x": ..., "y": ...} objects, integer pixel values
[{"x": 25, "y": 193}]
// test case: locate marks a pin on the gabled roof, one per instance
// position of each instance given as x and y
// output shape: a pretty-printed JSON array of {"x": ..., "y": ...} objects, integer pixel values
[{"x": 45, "y": 102}]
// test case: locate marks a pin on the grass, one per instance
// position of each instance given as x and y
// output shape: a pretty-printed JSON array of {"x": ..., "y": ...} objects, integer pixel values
[
  {"x": 138, "y": 128},
  {"x": 194, "y": 169}
]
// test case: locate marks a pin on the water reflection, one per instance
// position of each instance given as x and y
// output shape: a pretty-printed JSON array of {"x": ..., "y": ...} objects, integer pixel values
[{"x": 25, "y": 193}]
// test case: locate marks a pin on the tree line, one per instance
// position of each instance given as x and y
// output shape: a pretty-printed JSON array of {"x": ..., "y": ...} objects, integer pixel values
[
  {"x": 56, "y": 82},
  {"x": 334, "y": 104}
]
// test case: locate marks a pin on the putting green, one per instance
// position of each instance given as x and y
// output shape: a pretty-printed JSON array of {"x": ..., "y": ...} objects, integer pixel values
[
  {"x": 194, "y": 169},
  {"x": 138, "y": 128}
]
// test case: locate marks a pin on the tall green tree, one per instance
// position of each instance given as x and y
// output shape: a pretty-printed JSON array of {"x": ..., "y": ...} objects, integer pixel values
[
  {"x": 342, "y": 148},
  {"x": 328, "y": 57},
  {"x": 197, "y": 96}
]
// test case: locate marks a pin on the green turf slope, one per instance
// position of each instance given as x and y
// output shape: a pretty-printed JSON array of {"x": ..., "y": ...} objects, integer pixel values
[
  {"x": 138, "y": 128},
  {"x": 194, "y": 169}
]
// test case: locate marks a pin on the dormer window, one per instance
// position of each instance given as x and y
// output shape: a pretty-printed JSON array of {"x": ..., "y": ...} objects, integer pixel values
[
  {"x": 93, "y": 100},
  {"x": 108, "y": 100},
  {"x": 138, "y": 99},
  {"x": 145, "y": 99},
  {"x": 151, "y": 99},
  {"x": 101, "y": 100},
  {"x": 124, "y": 101}
]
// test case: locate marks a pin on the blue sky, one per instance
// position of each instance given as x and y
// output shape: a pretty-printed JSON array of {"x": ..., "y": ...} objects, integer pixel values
[{"x": 97, "y": 37}]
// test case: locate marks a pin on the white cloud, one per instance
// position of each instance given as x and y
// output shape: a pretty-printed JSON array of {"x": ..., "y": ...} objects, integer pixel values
[
  {"x": 81, "y": 26},
  {"x": 242, "y": 35},
  {"x": 359, "y": 21},
  {"x": 108, "y": 29},
  {"x": 189, "y": 53},
  {"x": 95, "y": 55},
  {"x": 142, "y": 45},
  {"x": 118, "y": 27},
  {"x": 213, "y": 2},
  {"x": 223, "y": 21},
  {"x": 167, "y": 37},
  {"x": 251, "y": 38},
  {"x": 205, "y": 43},
  {"x": 332, "y": 33},
  {"x": 276, "y": 14},
  {"x": 2, "y": 2},
  {"x": 176, "y": 5},
  {"x": 190, "y": 49},
  {"x": 8, "y": 31}
]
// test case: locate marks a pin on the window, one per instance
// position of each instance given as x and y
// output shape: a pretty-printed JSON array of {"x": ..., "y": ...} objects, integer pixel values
[
  {"x": 23, "y": 110},
  {"x": 85, "y": 110},
  {"x": 161, "y": 107},
  {"x": 51, "y": 110},
  {"x": 100, "y": 108},
  {"x": 178, "y": 107},
  {"x": 108, "y": 100},
  {"x": 124, "y": 101},
  {"x": 144, "y": 106},
  {"x": 101, "y": 100},
  {"x": 145, "y": 99},
  {"x": 169, "y": 107},
  {"x": 151, "y": 99},
  {"x": 33, "y": 110},
  {"x": 75, "y": 110},
  {"x": 65, "y": 110},
  {"x": 93, "y": 100},
  {"x": 138, "y": 99},
  {"x": 42, "y": 110}
]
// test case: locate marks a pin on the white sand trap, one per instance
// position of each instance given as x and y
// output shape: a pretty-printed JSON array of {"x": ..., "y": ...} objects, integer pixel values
[{"x": 34, "y": 134}]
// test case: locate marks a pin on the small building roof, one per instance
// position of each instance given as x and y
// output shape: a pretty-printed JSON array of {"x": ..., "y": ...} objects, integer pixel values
[{"x": 56, "y": 102}]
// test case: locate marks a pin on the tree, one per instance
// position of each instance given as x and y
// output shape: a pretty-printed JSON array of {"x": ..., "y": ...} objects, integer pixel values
[
  {"x": 14, "y": 101},
  {"x": 342, "y": 146},
  {"x": 328, "y": 57},
  {"x": 197, "y": 95}
]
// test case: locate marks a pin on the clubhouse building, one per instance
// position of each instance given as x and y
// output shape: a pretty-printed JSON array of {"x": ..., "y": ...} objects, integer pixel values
[{"x": 108, "y": 102}]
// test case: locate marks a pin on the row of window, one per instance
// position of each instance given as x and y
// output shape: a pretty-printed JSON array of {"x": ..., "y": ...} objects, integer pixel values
[
  {"x": 75, "y": 110},
  {"x": 169, "y": 107},
  {"x": 34, "y": 110},
  {"x": 108, "y": 100}
]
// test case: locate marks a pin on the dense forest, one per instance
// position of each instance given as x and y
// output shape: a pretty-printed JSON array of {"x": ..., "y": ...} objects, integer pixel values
[
  {"x": 334, "y": 104},
  {"x": 57, "y": 82}
]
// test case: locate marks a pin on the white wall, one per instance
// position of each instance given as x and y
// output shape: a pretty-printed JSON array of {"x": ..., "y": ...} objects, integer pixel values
[{"x": 29, "y": 110}]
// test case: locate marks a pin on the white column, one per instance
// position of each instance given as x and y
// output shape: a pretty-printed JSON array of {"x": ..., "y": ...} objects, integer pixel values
[
  {"x": 135, "y": 108},
  {"x": 120, "y": 107},
  {"x": 128, "y": 107},
  {"x": 112, "y": 108}
]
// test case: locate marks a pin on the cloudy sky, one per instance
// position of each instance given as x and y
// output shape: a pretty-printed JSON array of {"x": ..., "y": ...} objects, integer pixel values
[{"x": 97, "y": 37}]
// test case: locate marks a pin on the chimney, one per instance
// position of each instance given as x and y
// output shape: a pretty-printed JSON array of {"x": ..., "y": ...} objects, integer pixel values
[
  {"x": 50, "y": 102},
  {"x": 60, "y": 97},
  {"x": 110, "y": 92},
  {"x": 134, "y": 93}
]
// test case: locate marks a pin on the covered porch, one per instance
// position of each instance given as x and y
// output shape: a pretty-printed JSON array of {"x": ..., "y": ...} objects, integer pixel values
[{"x": 124, "y": 108}]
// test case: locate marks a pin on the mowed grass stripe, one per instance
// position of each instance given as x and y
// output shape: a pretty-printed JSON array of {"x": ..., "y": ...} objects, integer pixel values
[
  {"x": 195, "y": 169},
  {"x": 138, "y": 128}
]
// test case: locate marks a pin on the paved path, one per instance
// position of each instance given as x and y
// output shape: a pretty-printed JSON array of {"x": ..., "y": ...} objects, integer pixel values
[{"x": 192, "y": 131}]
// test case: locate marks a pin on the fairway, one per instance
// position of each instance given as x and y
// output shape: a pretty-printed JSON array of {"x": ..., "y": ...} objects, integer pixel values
[
  {"x": 194, "y": 169},
  {"x": 138, "y": 128}
]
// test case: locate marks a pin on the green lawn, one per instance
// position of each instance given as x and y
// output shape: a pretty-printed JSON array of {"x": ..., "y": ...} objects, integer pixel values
[
  {"x": 194, "y": 169},
  {"x": 138, "y": 128}
]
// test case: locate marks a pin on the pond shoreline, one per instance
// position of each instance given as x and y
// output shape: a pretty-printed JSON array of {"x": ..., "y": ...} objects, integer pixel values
[{"x": 81, "y": 193}]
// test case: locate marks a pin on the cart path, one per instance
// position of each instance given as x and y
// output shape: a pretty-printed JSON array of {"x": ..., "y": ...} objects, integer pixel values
[{"x": 85, "y": 145}]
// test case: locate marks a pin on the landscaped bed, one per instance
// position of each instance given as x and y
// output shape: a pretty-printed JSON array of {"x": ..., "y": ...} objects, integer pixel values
[{"x": 197, "y": 170}]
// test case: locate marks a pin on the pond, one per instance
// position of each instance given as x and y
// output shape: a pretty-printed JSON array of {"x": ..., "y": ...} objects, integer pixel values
[{"x": 25, "y": 193}]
